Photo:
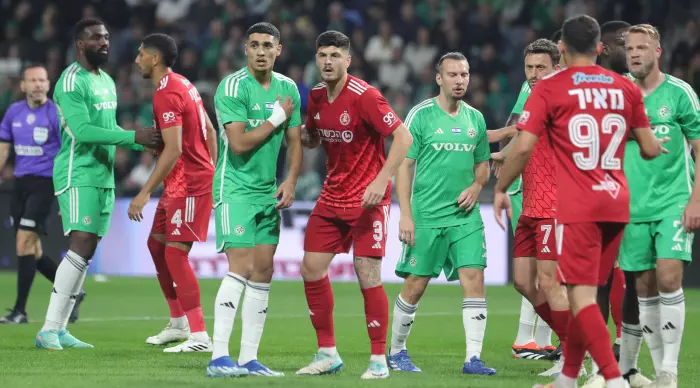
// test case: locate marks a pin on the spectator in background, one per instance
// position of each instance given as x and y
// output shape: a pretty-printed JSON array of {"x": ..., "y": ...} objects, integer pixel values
[
  {"x": 394, "y": 73},
  {"x": 139, "y": 175},
  {"x": 406, "y": 25},
  {"x": 380, "y": 47},
  {"x": 420, "y": 54}
]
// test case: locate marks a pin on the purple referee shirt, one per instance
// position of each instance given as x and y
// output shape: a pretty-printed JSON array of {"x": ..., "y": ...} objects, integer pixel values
[{"x": 35, "y": 135}]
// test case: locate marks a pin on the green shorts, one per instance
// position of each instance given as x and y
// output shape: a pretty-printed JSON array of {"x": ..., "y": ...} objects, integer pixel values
[
  {"x": 516, "y": 203},
  {"x": 245, "y": 225},
  {"x": 86, "y": 209},
  {"x": 644, "y": 242},
  {"x": 444, "y": 249}
]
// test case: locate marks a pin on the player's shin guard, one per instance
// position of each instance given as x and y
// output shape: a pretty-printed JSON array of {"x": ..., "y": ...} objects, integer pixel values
[
  {"x": 617, "y": 294},
  {"x": 253, "y": 317},
  {"x": 377, "y": 317},
  {"x": 474, "y": 321},
  {"x": 69, "y": 273},
  {"x": 187, "y": 287},
  {"x": 557, "y": 320},
  {"x": 73, "y": 299},
  {"x": 26, "y": 269},
  {"x": 597, "y": 340},
  {"x": 157, "y": 250},
  {"x": 672, "y": 321},
  {"x": 650, "y": 320},
  {"x": 575, "y": 350},
  {"x": 225, "y": 306},
  {"x": 404, "y": 314},
  {"x": 319, "y": 297},
  {"x": 526, "y": 324}
]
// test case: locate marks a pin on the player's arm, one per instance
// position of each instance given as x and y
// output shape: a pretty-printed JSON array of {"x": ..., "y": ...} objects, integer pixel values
[
  {"x": 649, "y": 146},
  {"x": 401, "y": 143},
  {"x": 5, "y": 139},
  {"x": 403, "y": 191},
  {"x": 689, "y": 119},
  {"x": 470, "y": 196},
  {"x": 212, "y": 140},
  {"x": 172, "y": 149}
]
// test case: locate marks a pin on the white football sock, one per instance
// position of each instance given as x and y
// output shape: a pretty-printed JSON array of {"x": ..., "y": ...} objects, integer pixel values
[
  {"x": 650, "y": 320},
  {"x": 329, "y": 351},
  {"x": 404, "y": 314},
  {"x": 526, "y": 327},
  {"x": 630, "y": 347},
  {"x": 225, "y": 312},
  {"x": 474, "y": 320},
  {"x": 380, "y": 358},
  {"x": 617, "y": 382},
  {"x": 594, "y": 367},
  {"x": 179, "y": 322},
  {"x": 68, "y": 273},
  {"x": 672, "y": 323},
  {"x": 253, "y": 317},
  {"x": 543, "y": 334},
  {"x": 563, "y": 381},
  {"x": 73, "y": 300}
]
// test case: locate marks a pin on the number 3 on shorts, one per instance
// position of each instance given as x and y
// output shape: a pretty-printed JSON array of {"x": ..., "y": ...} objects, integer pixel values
[{"x": 378, "y": 230}]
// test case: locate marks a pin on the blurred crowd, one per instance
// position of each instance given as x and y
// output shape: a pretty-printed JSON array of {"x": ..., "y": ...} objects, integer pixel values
[{"x": 395, "y": 44}]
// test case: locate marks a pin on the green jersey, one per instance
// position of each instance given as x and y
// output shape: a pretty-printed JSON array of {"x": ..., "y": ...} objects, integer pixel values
[
  {"x": 525, "y": 91},
  {"x": 445, "y": 149},
  {"x": 661, "y": 187},
  {"x": 250, "y": 177},
  {"x": 87, "y": 105}
]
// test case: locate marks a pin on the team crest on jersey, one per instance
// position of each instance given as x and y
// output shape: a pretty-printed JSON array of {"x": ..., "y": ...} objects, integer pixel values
[
  {"x": 471, "y": 133},
  {"x": 664, "y": 112},
  {"x": 40, "y": 135},
  {"x": 345, "y": 118},
  {"x": 412, "y": 261},
  {"x": 87, "y": 220},
  {"x": 31, "y": 118},
  {"x": 239, "y": 230}
]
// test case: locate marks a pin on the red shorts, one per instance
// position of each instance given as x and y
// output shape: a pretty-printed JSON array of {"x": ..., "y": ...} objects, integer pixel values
[
  {"x": 335, "y": 230},
  {"x": 534, "y": 237},
  {"x": 183, "y": 219},
  {"x": 587, "y": 251}
]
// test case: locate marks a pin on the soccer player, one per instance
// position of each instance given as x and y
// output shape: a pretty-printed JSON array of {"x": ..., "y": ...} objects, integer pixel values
[
  {"x": 440, "y": 224},
  {"x": 83, "y": 174},
  {"x": 665, "y": 210},
  {"x": 587, "y": 113},
  {"x": 31, "y": 127},
  {"x": 257, "y": 109},
  {"x": 186, "y": 169},
  {"x": 351, "y": 118}
]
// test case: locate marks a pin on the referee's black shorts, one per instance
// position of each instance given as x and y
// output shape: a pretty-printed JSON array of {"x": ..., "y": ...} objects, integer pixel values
[{"x": 32, "y": 200}]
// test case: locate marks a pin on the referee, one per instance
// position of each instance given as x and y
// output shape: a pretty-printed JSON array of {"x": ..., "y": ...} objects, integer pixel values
[{"x": 31, "y": 126}]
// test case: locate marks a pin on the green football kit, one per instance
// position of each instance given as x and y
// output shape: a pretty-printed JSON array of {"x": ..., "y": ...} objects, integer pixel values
[
  {"x": 515, "y": 191},
  {"x": 660, "y": 188},
  {"x": 245, "y": 185},
  {"x": 445, "y": 149}
]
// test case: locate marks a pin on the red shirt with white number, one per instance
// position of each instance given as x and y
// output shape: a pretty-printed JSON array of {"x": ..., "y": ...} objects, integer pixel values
[
  {"x": 352, "y": 130},
  {"x": 587, "y": 113},
  {"x": 176, "y": 102}
]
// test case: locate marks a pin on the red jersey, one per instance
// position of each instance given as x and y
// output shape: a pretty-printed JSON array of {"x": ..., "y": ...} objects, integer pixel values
[
  {"x": 352, "y": 130},
  {"x": 176, "y": 102},
  {"x": 539, "y": 187},
  {"x": 587, "y": 112}
]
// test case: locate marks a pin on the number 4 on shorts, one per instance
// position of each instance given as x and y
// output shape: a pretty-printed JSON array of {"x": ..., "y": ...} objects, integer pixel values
[{"x": 177, "y": 218}]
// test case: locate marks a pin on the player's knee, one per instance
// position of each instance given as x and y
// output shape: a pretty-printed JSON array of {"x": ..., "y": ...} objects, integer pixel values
[
  {"x": 312, "y": 270},
  {"x": 523, "y": 284},
  {"x": 413, "y": 289},
  {"x": 669, "y": 281},
  {"x": 84, "y": 244}
]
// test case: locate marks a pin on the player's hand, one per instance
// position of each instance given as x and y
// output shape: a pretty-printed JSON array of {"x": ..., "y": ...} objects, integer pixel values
[
  {"x": 501, "y": 201},
  {"x": 407, "y": 230},
  {"x": 498, "y": 159},
  {"x": 374, "y": 193},
  {"x": 661, "y": 142},
  {"x": 136, "y": 206},
  {"x": 467, "y": 199},
  {"x": 496, "y": 135},
  {"x": 287, "y": 106},
  {"x": 691, "y": 216},
  {"x": 287, "y": 191},
  {"x": 149, "y": 137}
]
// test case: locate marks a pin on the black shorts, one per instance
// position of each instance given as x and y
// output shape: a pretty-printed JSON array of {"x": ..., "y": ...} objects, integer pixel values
[{"x": 32, "y": 200}]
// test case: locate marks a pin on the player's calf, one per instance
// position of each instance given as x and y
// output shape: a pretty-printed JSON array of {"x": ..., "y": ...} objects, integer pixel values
[
  {"x": 369, "y": 275},
  {"x": 404, "y": 315},
  {"x": 671, "y": 315},
  {"x": 474, "y": 318}
]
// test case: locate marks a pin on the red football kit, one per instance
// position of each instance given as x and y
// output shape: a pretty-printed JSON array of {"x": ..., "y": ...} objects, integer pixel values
[
  {"x": 587, "y": 113},
  {"x": 184, "y": 210},
  {"x": 534, "y": 234},
  {"x": 352, "y": 129}
]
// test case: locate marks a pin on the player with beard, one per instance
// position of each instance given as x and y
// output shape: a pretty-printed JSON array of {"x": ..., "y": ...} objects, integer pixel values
[
  {"x": 31, "y": 127},
  {"x": 665, "y": 210},
  {"x": 440, "y": 224},
  {"x": 351, "y": 118},
  {"x": 185, "y": 166},
  {"x": 592, "y": 196},
  {"x": 83, "y": 175}
]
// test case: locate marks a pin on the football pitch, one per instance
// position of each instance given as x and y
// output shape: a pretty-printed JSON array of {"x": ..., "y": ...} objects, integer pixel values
[{"x": 119, "y": 314}]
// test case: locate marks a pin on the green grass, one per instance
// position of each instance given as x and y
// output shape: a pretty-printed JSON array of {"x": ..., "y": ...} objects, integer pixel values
[{"x": 118, "y": 315}]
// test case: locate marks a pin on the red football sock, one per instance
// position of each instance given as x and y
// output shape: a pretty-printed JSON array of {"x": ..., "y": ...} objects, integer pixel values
[
  {"x": 597, "y": 339},
  {"x": 574, "y": 351},
  {"x": 617, "y": 293},
  {"x": 558, "y": 321},
  {"x": 377, "y": 316},
  {"x": 187, "y": 287},
  {"x": 319, "y": 297},
  {"x": 157, "y": 250}
]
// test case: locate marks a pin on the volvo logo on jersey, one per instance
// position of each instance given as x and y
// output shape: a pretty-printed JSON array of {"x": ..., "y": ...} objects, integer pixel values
[
  {"x": 459, "y": 147},
  {"x": 333, "y": 136}
]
